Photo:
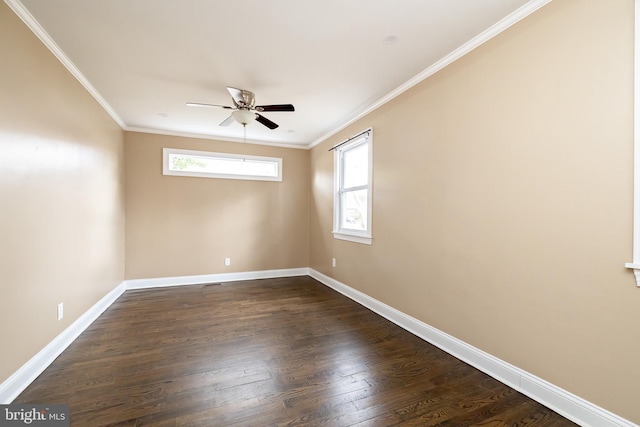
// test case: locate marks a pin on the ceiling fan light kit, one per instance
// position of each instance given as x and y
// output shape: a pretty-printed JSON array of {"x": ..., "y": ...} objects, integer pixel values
[
  {"x": 244, "y": 117},
  {"x": 244, "y": 109}
]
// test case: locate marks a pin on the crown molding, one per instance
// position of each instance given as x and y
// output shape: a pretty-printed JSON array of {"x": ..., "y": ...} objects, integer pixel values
[
  {"x": 478, "y": 40},
  {"x": 19, "y": 9}
]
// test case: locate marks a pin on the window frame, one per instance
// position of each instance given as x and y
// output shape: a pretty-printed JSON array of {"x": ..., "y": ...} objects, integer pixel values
[
  {"x": 166, "y": 166},
  {"x": 357, "y": 236},
  {"x": 635, "y": 263}
]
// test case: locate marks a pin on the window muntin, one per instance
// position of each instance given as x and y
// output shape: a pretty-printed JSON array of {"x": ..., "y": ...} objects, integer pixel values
[
  {"x": 352, "y": 198},
  {"x": 220, "y": 165}
]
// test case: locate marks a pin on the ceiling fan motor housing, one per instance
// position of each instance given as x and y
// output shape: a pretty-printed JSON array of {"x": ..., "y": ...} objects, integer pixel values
[
  {"x": 243, "y": 98},
  {"x": 245, "y": 110}
]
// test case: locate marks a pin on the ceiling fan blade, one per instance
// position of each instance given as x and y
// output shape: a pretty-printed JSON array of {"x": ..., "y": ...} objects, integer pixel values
[
  {"x": 268, "y": 123},
  {"x": 197, "y": 104},
  {"x": 277, "y": 107},
  {"x": 227, "y": 121},
  {"x": 241, "y": 97}
]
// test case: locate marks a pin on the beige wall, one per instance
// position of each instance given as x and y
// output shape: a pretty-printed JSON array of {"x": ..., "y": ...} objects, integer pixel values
[
  {"x": 61, "y": 192},
  {"x": 503, "y": 202},
  {"x": 179, "y": 226}
]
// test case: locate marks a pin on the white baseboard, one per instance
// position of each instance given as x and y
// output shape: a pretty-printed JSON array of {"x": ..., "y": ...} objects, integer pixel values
[
  {"x": 214, "y": 278},
  {"x": 16, "y": 383},
  {"x": 567, "y": 404},
  {"x": 561, "y": 401}
]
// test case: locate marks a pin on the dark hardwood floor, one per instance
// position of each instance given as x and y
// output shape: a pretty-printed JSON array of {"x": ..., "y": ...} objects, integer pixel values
[{"x": 273, "y": 352}]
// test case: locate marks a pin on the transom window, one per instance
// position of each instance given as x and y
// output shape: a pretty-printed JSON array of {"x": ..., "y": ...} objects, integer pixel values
[
  {"x": 352, "y": 196},
  {"x": 220, "y": 165}
]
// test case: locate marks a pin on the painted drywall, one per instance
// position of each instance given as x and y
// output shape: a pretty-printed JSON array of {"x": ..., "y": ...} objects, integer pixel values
[
  {"x": 502, "y": 202},
  {"x": 179, "y": 226},
  {"x": 62, "y": 195}
]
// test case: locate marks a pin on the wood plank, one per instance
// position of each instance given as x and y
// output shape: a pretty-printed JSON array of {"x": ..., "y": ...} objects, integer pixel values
[{"x": 271, "y": 352}]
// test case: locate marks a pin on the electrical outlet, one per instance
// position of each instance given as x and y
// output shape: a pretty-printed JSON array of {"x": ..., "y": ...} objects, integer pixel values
[
  {"x": 333, "y": 262},
  {"x": 60, "y": 311},
  {"x": 227, "y": 261}
]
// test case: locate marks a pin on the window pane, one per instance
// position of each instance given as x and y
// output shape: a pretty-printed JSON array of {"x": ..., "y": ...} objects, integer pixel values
[
  {"x": 222, "y": 165},
  {"x": 356, "y": 166},
  {"x": 354, "y": 214}
]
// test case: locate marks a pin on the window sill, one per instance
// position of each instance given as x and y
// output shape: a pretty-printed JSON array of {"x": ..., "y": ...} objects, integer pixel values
[
  {"x": 636, "y": 270},
  {"x": 357, "y": 238}
]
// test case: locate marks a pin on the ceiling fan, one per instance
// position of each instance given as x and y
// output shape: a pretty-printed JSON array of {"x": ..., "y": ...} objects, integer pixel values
[{"x": 244, "y": 110}]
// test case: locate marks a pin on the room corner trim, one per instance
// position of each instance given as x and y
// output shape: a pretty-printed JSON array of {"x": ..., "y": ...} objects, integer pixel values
[
  {"x": 16, "y": 383},
  {"x": 561, "y": 401}
]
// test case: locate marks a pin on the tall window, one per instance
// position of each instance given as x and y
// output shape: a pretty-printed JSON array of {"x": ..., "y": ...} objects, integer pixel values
[{"x": 352, "y": 197}]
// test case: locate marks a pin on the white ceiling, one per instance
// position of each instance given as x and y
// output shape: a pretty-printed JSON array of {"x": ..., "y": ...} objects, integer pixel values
[{"x": 332, "y": 59}]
